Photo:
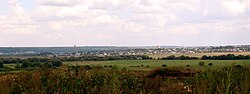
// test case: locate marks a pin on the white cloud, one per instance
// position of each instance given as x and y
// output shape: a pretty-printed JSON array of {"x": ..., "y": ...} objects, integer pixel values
[
  {"x": 184, "y": 30},
  {"x": 111, "y": 21},
  {"x": 235, "y": 6},
  {"x": 17, "y": 21}
]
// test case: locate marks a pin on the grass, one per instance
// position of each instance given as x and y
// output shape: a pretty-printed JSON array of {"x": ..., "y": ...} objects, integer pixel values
[
  {"x": 10, "y": 65},
  {"x": 158, "y": 63},
  {"x": 177, "y": 80}
]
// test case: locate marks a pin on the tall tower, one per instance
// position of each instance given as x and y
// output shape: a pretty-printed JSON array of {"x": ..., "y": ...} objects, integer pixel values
[{"x": 75, "y": 48}]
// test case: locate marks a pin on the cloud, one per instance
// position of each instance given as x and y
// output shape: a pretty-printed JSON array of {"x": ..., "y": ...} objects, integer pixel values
[
  {"x": 56, "y": 2},
  {"x": 235, "y": 6},
  {"x": 17, "y": 21},
  {"x": 121, "y": 22}
]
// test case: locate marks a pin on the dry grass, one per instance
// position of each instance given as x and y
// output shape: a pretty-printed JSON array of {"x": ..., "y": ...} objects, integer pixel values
[{"x": 172, "y": 80}]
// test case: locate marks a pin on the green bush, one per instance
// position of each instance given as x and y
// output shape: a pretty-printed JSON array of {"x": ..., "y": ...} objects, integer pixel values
[
  {"x": 210, "y": 64},
  {"x": 201, "y": 63},
  {"x": 164, "y": 65},
  {"x": 56, "y": 63},
  {"x": 25, "y": 64}
]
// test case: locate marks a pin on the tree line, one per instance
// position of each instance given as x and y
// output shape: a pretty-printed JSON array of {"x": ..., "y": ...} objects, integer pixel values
[
  {"x": 57, "y": 61},
  {"x": 182, "y": 57},
  {"x": 104, "y": 58},
  {"x": 205, "y": 57},
  {"x": 226, "y": 57}
]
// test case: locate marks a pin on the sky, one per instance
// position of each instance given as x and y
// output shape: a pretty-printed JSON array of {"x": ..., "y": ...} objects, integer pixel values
[{"x": 124, "y": 22}]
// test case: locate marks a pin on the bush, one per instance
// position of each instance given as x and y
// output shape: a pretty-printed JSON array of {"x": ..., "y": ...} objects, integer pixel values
[
  {"x": 25, "y": 64},
  {"x": 164, "y": 65},
  {"x": 1, "y": 64},
  {"x": 201, "y": 63},
  {"x": 56, "y": 63},
  {"x": 210, "y": 64}
]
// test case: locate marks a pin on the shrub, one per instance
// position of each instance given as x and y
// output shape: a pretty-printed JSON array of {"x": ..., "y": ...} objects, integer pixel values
[
  {"x": 210, "y": 64},
  {"x": 1, "y": 64},
  {"x": 25, "y": 64},
  {"x": 201, "y": 63},
  {"x": 56, "y": 63},
  {"x": 164, "y": 65}
]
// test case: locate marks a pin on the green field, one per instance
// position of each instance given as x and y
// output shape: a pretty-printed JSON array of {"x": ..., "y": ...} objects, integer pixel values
[{"x": 158, "y": 63}]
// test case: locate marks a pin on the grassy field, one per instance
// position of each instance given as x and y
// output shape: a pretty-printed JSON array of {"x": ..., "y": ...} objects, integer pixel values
[
  {"x": 132, "y": 64},
  {"x": 201, "y": 54}
]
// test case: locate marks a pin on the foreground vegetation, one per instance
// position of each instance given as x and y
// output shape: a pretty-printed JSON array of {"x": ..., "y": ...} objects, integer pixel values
[{"x": 91, "y": 80}]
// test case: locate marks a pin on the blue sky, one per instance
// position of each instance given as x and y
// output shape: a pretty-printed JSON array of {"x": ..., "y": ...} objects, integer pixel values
[{"x": 124, "y": 22}]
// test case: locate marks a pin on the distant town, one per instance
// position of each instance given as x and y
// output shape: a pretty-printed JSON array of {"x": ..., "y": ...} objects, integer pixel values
[{"x": 115, "y": 51}]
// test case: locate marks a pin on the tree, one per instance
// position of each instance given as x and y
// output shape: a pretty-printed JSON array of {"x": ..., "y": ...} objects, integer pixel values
[
  {"x": 204, "y": 57},
  {"x": 1, "y": 64},
  {"x": 171, "y": 57},
  {"x": 182, "y": 57},
  {"x": 201, "y": 63},
  {"x": 25, "y": 64}
]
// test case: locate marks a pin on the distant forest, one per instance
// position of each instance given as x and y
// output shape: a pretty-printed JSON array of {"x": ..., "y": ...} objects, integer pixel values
[{"x": 205, "y": 57}]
